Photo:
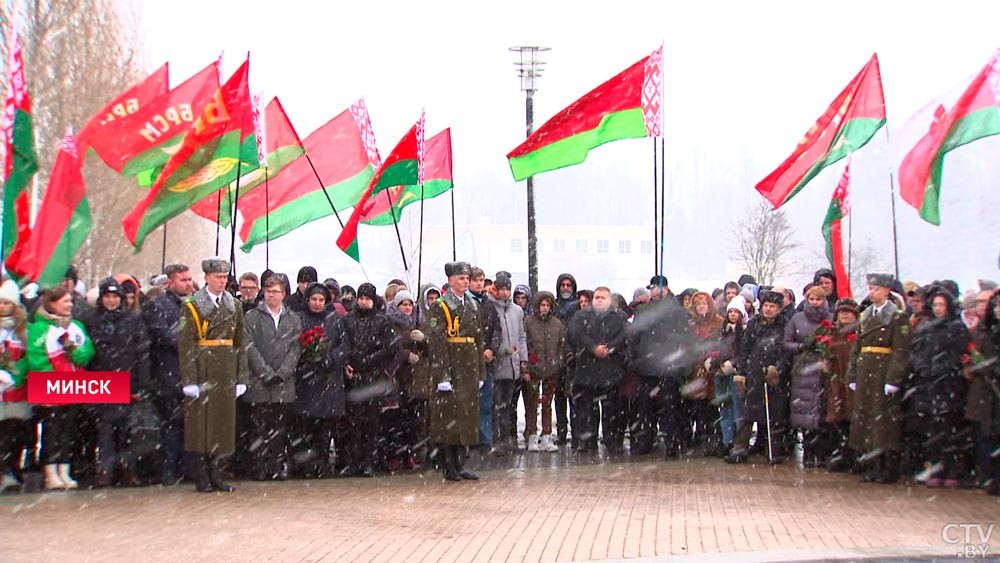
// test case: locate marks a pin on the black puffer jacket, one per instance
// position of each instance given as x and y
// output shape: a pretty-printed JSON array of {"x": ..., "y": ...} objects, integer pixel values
[
  {"x": 372, "y": 344},
  {"x": 937, "y": 386},
  {"x": 662, "y": 343},
  {"x": 121, "y": 343}
]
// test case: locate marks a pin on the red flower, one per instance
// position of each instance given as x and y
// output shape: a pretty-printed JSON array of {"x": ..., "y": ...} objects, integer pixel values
[
  {"x": 966, "y": 360},
  {"x": 851, "y": 337},
  {"x": 972, "y": 347},
  {"x": 532, "y": 357},
  {"x": 826, "y": 324}
]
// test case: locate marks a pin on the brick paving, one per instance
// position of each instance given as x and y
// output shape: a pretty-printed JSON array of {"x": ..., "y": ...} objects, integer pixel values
[{"x": 531, "y": 508}]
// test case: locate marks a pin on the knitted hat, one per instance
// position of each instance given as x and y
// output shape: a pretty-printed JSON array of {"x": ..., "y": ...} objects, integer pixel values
[
  {"x": 402, "y": 295},
  {"x": 847, "y": 304},
  {"x": 367, "y": 290},
  {"x": 9, "y": 292}
]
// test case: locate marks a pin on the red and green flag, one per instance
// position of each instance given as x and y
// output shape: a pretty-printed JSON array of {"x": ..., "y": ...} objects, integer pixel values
[
  {"x": 437, "y": 180},
  {"x": 63, "y": 224},
  {"x": 848, "y": 124},
  {"x": 627, "y": 106},
  {"x": 345, "y": 158},
  {"x": 219, "y": 147},
  {"x": 21, "y": 160},
  {"x": 145, "y": 140},
  {"x": 283, "y": 146},
  {"x": 402, "y": 167},
  {"x": 839, "y": 208},
  {"x": 974, "y": 116},
  {"x": 125, "y": 104}
]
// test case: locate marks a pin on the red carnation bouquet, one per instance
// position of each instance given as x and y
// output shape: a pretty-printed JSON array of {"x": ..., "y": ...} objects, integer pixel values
[
  {"x": 314, "y": 344},
  {"x": 973, "y": 356},
  {"x": 822, "y": 339}
]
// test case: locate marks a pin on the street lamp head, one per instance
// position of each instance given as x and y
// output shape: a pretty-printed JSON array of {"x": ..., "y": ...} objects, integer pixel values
[{"x": 529, "y": 67}]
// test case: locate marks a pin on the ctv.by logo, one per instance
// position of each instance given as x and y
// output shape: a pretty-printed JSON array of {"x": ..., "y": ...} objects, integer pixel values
[{"x": 973, "y": 540}]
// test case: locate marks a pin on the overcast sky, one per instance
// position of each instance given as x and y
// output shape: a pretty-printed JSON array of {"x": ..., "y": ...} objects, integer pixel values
[{"x": 743, "y": 83}]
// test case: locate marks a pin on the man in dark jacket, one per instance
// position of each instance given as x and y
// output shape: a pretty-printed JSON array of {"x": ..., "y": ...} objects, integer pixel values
[
  {"x": 120, "y": 344},
  {"x": 567, "y": 304},
  {"x": 598, "y": 333},
  {"x": 489, "y": 321},
  {"x": 162, "y": 315},
  {"x": 370, "y": 348},
  {"x": 297, "y": 301},
  {"x": 273, "y": 352},
  {"x": 661, "y": 354},
  {"x": 763, "y": 367}
]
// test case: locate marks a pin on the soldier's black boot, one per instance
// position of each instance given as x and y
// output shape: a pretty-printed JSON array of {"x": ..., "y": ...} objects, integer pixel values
[
  {"x": 215, "y": 474},
  {"x": 199, "y": 472},
  {"x": 448, "y": 463}
]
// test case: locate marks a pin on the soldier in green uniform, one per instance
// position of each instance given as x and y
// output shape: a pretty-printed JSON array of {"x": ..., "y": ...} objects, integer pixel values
[
  {"x": 878, "y": 366},
  {"x": 214, "y": 372},
  {"x": 457, "y": 368}
]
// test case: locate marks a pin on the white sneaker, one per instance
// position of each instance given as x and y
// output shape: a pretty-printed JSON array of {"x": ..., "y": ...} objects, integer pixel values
[
  {"x": 533, "y": 444},
  {"x": 548, "y": 445},
  {"x": 52, "y": 480},
  {"x": 64, "y": 476}
]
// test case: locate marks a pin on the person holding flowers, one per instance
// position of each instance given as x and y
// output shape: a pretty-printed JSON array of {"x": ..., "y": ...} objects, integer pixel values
[
  {"x": 807, "y": 335},
  {"x": 839, "y": 398}
]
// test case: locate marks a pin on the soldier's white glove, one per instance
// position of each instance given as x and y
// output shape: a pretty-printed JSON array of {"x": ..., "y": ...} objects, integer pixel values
[
  {"x": 413, "y": 358},
  {"x": 727, "y": 368},
  {"x": 708, "y": 364},
  {"x": 890, "y": 390},
  {"x": 445, "y": 387},
  {"x": 240, "y": 389},
  {"x": 852, "y": 386},
  {"x": 191, "y": 391},
  {"x": 416, "y": 336},
  {"x": 6, "y": 380}
]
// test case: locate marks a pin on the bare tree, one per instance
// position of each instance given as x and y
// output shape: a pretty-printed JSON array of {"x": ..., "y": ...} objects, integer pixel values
[
  {"x": 765, "y": 244},
  {"x": 79, "y": 54}
]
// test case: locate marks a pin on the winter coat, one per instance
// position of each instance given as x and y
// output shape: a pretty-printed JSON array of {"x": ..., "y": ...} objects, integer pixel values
[
  {"x": 210, "y": 419},
  {"x": 762, "y": 346},
  {"x": 876, "y": 419},
  {"x": 370, "y": 347},
  {"x": 162, "y": 315},
  {"x": 489, "y": 320},
  {"x": 513, "y": 350},
  {"x": 422, "y": 306},
  {"x": 296, "y": 302},
  {"x": 983, "y": 402},
  {"x": 413, "y": 379},
  {"x": 458, "y": 359},
  {"x": 840, "y": 398},
  {"x": 661, "y": 344},
  {"x": 937, "y": 384},
  {"x": 589, "y": 329},
  {"x": 546, "y": 337},
  {"x": 529, "y": 309},
  {"x": 807, "y": 407},
  {"x": 705, "y": 333},
  {"x": 14, "y": 401},
  {"x": 44, "y": 351},
  {"x": 120, "y": 344},
  {"x": 273, "y": 354},
  {"x": 319, "y": 386}
]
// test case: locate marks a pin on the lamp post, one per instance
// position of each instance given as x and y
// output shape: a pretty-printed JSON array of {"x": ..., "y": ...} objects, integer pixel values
[{"x": 529, "y": 68}]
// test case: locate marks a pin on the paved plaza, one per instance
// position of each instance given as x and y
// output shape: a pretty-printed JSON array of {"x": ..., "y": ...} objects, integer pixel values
[{"x": 533, "y": 508}]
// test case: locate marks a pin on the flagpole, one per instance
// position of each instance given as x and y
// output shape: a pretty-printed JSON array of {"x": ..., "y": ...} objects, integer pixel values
[
  {"x": 218, "y": 215},
  {"x": 892, "y": 198},
  {"x": 656, "y": 211},
  {"x": 454, "y": 243},
  {"x": 396, "y": 224},
  {"x": 163, "y": 258},
  {"x": 323, "y": 188},
  {"x": 232, "y": 214},
  {"x": 420, "y": 256},
  {"x": 267, "y": 223},
  {"x": 663, "y": 199}
]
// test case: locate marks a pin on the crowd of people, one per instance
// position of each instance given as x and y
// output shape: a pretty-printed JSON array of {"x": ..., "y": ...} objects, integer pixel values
[{"x": 256, "y": 377}]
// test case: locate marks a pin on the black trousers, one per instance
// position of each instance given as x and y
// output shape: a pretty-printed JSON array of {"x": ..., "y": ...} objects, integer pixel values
[
  {"x": 13, "y": 440},
  {"x": 113, "y": 441},
  {"x": 168, "y": 406},
  {"x": 564, "y": 408},
  {"x": 598, "y": 407},
  {"x": 657, "y": 403},
  {"x": 504, "y": 420},
  {"x": 310, "y": 440},
  {"x": 269, "y": 442},
  {"x": 59, "y": 433},
  {"x": 362, "y": 446}
]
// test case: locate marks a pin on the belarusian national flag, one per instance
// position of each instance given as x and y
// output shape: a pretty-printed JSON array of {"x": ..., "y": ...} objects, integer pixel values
[
  {"x": 437, "y": 180},
  {"x": 848, "y": 124},
  {"x": 21, "y": 161},
  {"x": 401, "y": 168},
  {"x": 219, "y": 147},
  {"x": 283, "y": 147},
  {"x": 974, "y": 116},
  {"x": 834, "y": 236},
  {"x": 625, "y": 107},
  {"x": 146, "y": 139},
  {"x": 64, "y": 221},
  {"x": 344, "y": 154},
  {"x": 123, "y": 105}
]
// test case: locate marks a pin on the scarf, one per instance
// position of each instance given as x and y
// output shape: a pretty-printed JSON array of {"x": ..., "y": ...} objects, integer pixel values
[{"x": 53, "y": 318}]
